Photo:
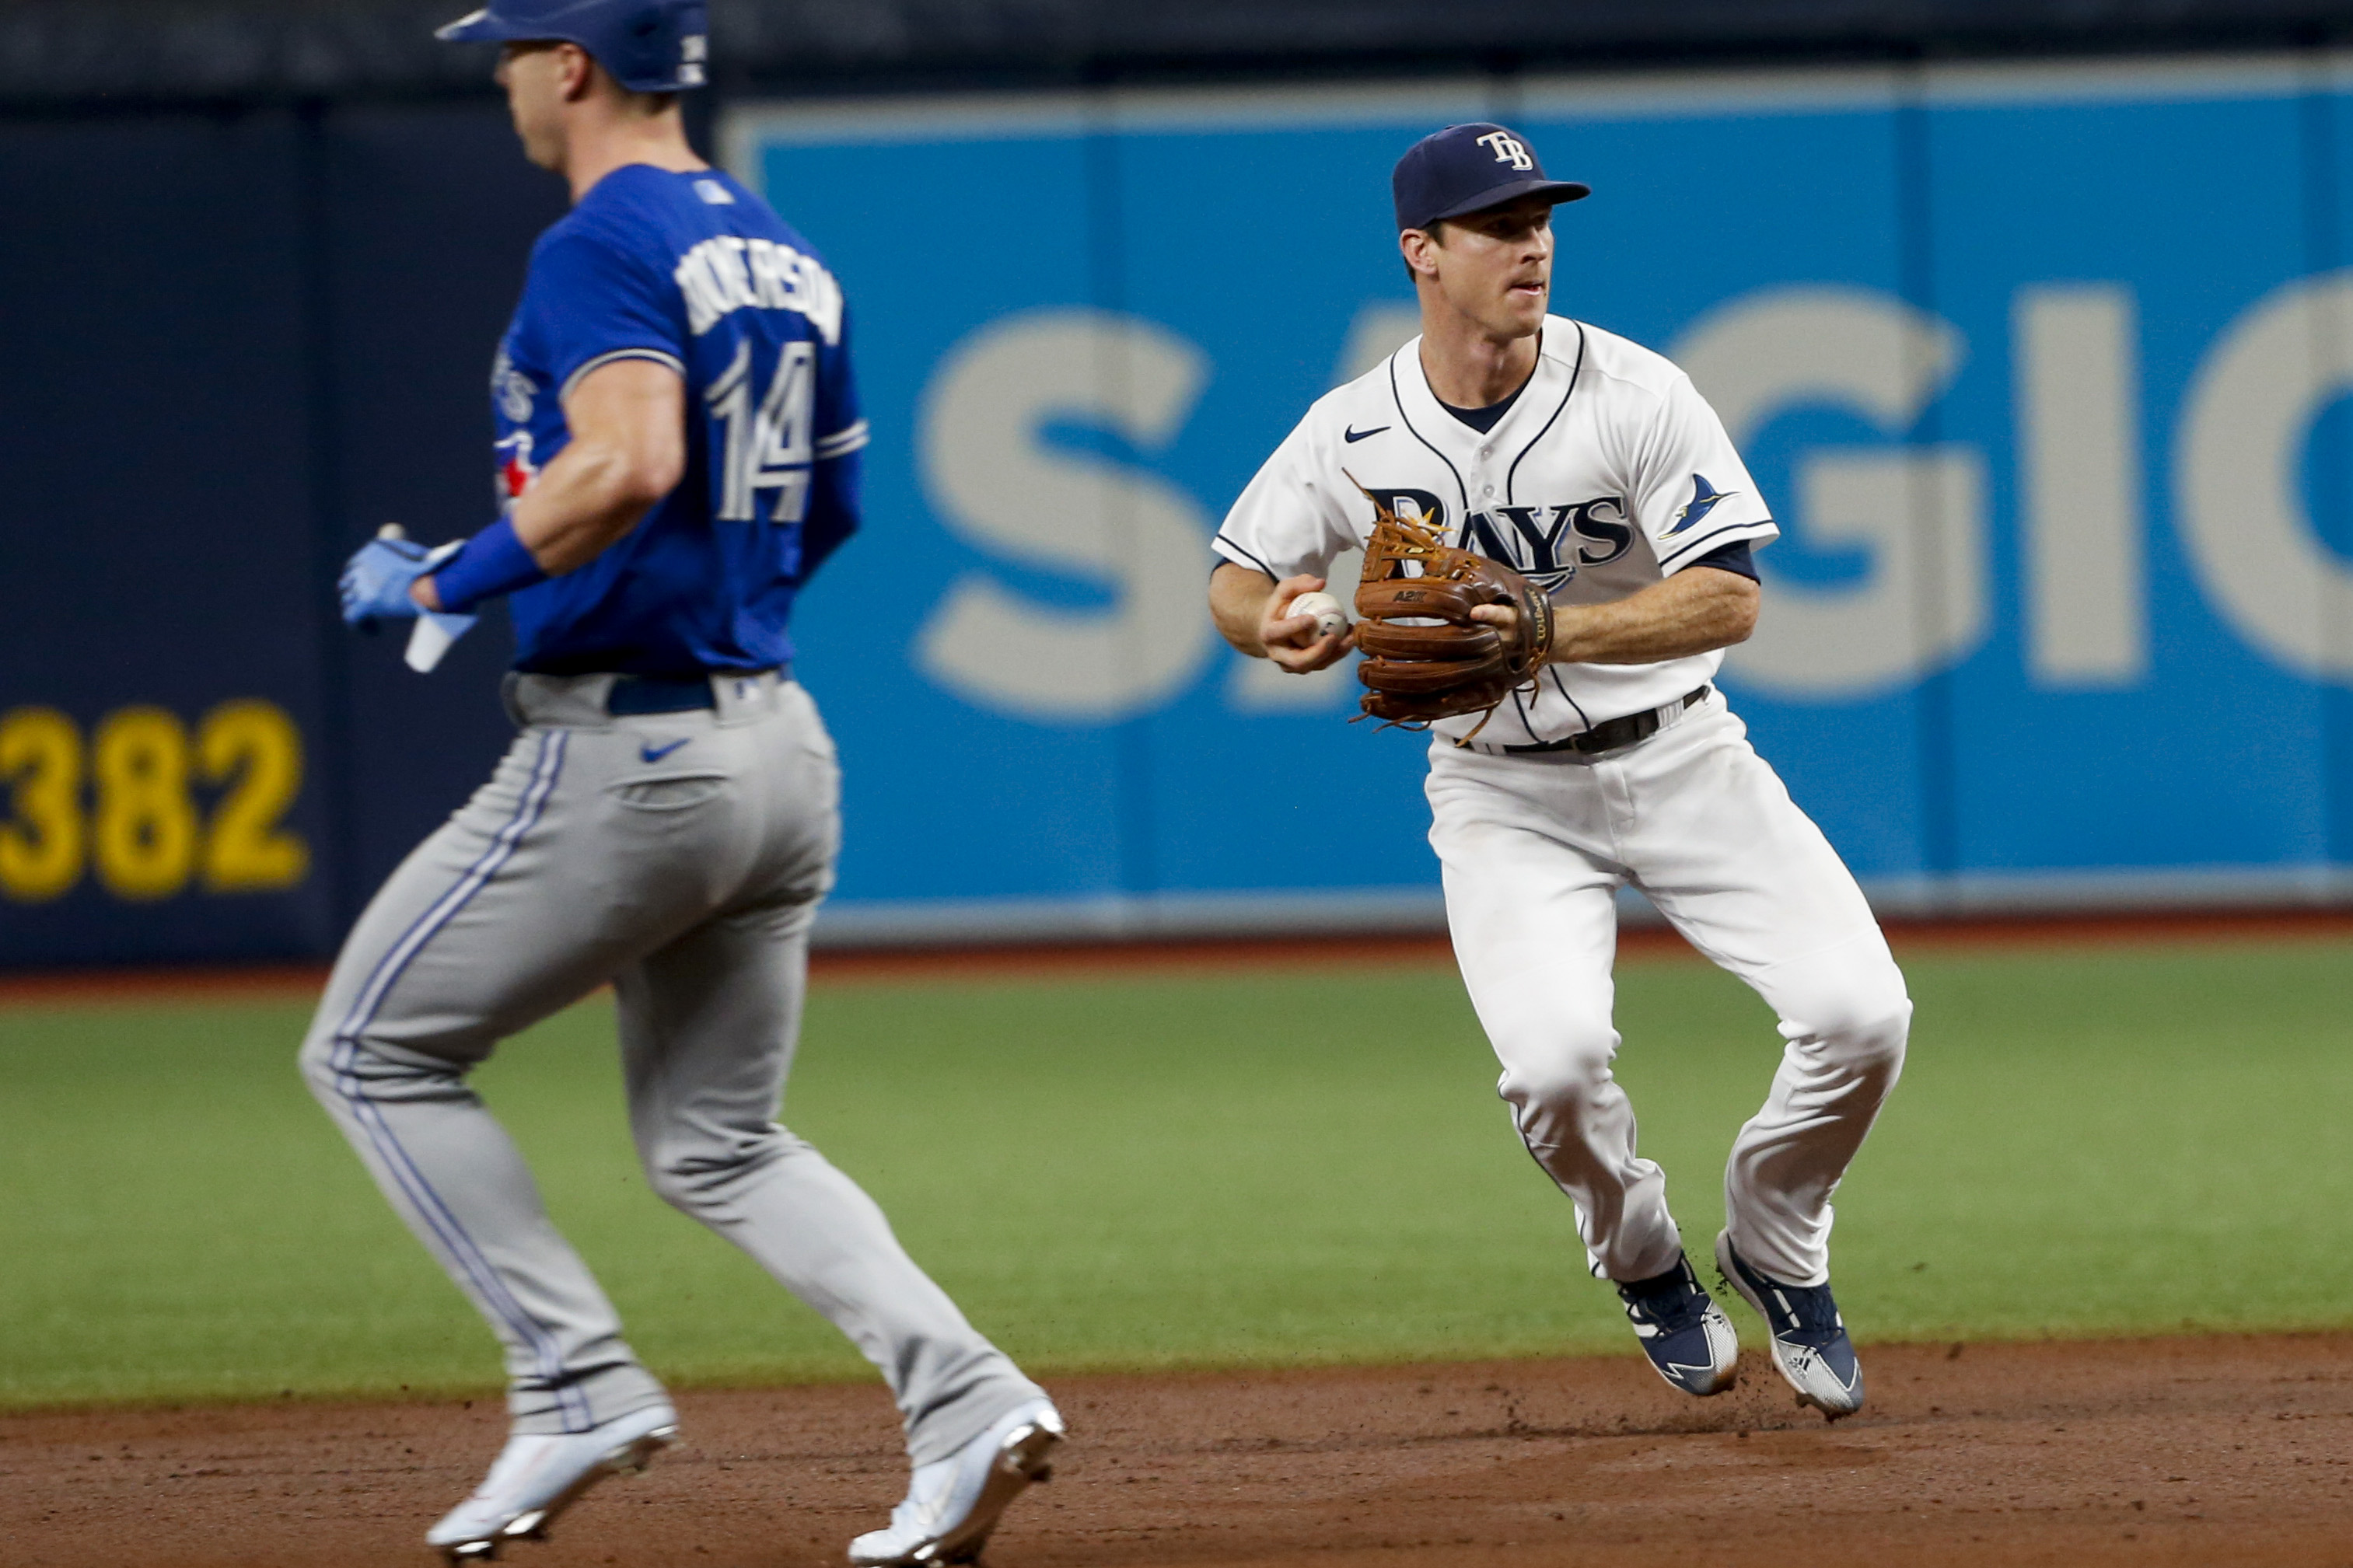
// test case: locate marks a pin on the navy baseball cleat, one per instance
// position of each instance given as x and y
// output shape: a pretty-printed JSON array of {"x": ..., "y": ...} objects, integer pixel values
[
  {"x": 953, "y": 1502},
  {"x": 1683, "y": 1331},
  {"x": 539, "y": 1474},
  {"x": 1809, "y": 1344}
]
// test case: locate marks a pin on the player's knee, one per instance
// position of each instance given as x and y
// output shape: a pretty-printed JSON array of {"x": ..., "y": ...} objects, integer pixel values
[
  {"x": 683, "y": 1184},
  {"x": 1863, "y": 1024},
  {"x": 315, "y": 1061},
  {"x": 1872, "y": 1048},
  {"x": 1560, "y": 1070},
  {"x": 333, "y": 1067},
  {"x": 1851, "y": 992},
  {"x": 694, "y": 1170},
  {"x": 342, "y": 1069}
]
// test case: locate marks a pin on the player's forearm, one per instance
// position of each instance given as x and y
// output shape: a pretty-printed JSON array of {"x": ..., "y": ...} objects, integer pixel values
[
  {"x": 1696, "y": 611},
  {"x": 586, "y": 500},
  {"x": 1238, "y": 598},
  {"x": 628, "y": 451}
]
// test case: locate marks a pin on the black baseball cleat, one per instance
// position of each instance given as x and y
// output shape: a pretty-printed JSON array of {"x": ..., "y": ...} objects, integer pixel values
[
  {"x": 1809, "y": 1344},
  {"x": 1683, "y": 1331}
]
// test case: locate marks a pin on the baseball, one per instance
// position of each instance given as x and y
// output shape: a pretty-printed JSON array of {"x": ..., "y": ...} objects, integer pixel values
[{"x": 1330, "y": 617}]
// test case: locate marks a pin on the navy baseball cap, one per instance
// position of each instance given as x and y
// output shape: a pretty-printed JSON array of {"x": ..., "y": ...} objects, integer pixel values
[
  {"x": 646, "y": 45},
  {"x": 1468, "y": 168}
]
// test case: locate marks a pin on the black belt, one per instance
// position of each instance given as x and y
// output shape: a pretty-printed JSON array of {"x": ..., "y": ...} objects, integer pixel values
[
  {"x": 674, "y": 694},
  {"x": 1612, "y": 734}
]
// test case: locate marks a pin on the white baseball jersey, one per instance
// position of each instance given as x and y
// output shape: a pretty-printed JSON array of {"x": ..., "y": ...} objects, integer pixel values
[{"x": 1608, "y": 473}]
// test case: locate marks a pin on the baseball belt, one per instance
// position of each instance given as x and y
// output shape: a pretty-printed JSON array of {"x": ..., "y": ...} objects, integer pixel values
[
  {"x": 1607, "y": 735},
  {"x": 639, "y": 694}
]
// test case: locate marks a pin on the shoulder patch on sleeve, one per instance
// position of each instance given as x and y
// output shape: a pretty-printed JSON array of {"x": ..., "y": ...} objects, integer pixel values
[{"x": 1704, "y": 498}]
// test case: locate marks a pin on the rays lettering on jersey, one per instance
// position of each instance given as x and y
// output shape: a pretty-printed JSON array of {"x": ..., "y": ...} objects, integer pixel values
[
  {"x": 1412, "y": 503},
  {"x": 1549, "y": 543},
  {"x": 728, "y": 272},
  {"x": 1546, "y": 544}
]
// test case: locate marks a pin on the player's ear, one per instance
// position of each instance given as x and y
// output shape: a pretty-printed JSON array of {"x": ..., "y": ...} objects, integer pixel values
[
  {"x": 576, "y": 71},
  {"x": 1415, "y": 245}
]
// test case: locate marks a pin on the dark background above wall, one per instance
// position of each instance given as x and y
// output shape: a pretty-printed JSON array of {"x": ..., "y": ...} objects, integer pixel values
[{"x": 57, "y": 51}]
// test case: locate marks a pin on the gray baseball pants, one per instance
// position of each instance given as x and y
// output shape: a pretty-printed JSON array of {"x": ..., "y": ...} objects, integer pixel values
[{"x": 681, "y": 857}]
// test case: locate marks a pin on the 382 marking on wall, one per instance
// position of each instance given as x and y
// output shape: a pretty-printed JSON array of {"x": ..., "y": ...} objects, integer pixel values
[{"x": 125, "y": 804}]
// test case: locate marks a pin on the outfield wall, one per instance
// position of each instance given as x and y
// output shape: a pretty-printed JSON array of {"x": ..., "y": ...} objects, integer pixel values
[{"x": 2041, "y": 367}]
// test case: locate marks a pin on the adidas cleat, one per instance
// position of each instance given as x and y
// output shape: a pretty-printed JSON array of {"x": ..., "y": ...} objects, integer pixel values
[
  {"x": 1683, "y": 1331},
  {"x": 1811, "y": 1347}
]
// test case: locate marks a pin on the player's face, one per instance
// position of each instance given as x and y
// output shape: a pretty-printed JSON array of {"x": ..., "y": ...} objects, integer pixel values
[
  {"x": 532, "y": 75},
  {"x": 1495, "y": 266}
]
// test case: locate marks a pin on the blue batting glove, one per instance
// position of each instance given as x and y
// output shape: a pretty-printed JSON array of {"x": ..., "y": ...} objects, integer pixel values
[{"x": 374, "y": 586}]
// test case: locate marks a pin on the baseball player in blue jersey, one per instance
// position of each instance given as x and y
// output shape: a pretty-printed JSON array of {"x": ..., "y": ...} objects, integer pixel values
[{"x": 678, "y": 439}]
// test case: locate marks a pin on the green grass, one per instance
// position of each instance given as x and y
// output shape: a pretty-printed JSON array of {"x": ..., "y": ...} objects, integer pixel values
[{"x": 1274, "y": 1168}]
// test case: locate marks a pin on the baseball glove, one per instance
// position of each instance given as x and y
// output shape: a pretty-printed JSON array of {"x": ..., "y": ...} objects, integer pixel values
[{"x": 1425, "y": 657}]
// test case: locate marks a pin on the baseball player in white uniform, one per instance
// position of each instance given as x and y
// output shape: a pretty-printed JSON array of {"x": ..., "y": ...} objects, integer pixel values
[{"x": 1592, "y": 464}]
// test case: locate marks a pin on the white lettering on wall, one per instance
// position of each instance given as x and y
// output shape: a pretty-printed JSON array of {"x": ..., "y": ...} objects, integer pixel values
[
  {"x": 1919, "y": 513},
  {"x": 997, "y": 484},
  {"x": 2079, "y": 483},
  {"x": 1377, "y": 331},
  {"x": 2237, "y": 457}
]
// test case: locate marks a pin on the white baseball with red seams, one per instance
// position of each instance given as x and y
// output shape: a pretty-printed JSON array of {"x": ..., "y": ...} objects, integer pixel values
[{"x": 1331, "y": 616}]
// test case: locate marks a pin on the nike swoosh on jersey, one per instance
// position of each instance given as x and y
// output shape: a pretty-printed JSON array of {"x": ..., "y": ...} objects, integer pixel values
[
  {"x": 1360, "y": 434},
  {"x": 647, "y": 753}
]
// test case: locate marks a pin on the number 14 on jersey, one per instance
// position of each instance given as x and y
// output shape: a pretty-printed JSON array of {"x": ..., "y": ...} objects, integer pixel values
[{"x": 769, "y": 448}]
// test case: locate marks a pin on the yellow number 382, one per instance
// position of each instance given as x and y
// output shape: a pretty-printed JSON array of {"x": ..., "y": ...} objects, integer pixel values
[{"x": 143, "y": 829}]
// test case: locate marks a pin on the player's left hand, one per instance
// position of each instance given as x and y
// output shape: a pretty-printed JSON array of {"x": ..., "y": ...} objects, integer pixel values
[
  {"x": 1446, "y": 632},
  {"x": 376, "y": 580}
]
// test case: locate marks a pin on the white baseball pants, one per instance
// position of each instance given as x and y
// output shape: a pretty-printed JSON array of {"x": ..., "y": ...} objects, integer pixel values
[{"x": 1535, "y": 849}]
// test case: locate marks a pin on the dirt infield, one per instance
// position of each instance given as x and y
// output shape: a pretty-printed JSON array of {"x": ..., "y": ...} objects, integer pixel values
[{"x": 2206, "y": 1451}]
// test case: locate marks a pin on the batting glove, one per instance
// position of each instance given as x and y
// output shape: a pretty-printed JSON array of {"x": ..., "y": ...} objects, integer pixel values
[{"x": 374, "y": 586}]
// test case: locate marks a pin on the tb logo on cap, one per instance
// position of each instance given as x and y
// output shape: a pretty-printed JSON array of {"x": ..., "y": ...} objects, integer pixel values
[{"x": 1508, "y": 149}]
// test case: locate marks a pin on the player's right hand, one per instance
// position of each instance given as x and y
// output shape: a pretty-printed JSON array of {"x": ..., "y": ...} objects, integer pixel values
[
  {"x": 374, "y": 585},
  {"x": 1291, "y": 640}
]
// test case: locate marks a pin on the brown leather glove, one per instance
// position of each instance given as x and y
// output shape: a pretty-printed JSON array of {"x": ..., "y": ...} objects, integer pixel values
[{"x": 1448, "y": 663}]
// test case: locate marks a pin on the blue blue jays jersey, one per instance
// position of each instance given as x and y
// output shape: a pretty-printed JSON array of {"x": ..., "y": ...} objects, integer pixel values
[{"x": 693, "y": 271}]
